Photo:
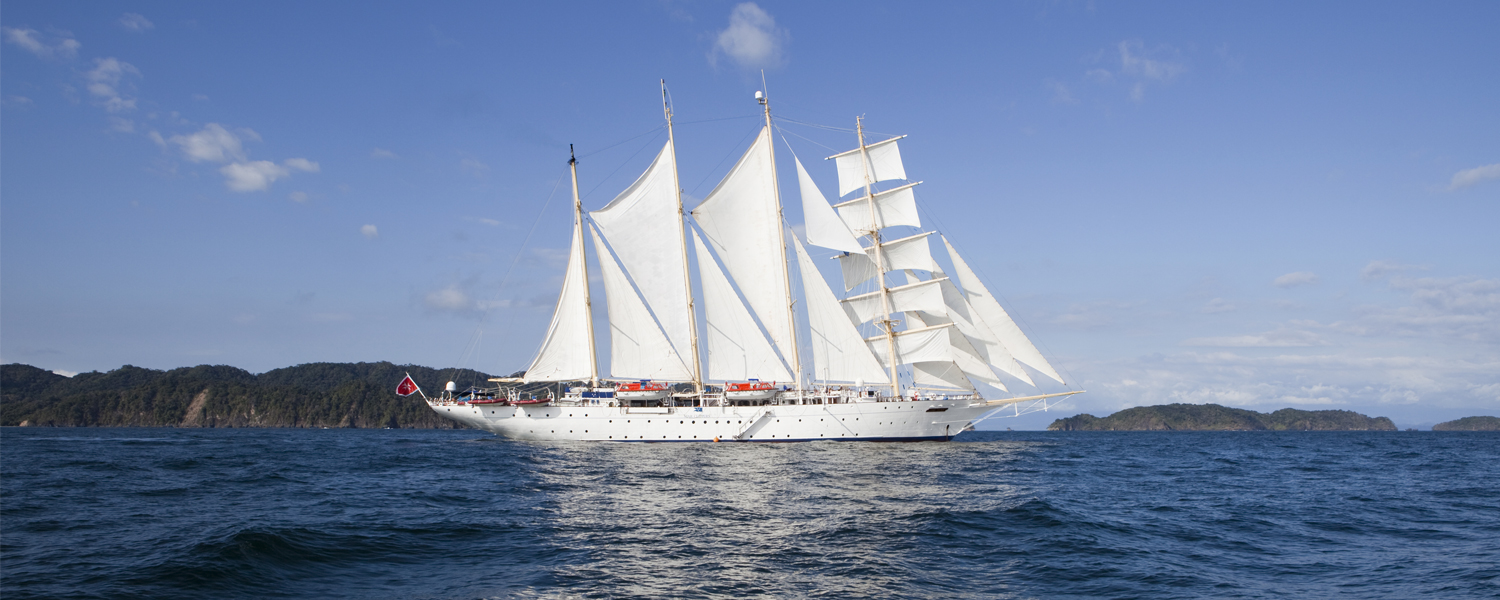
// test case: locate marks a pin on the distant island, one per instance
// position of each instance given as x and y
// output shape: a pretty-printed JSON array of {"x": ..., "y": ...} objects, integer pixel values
[
  {"x": 1470, "y": 424},
  {"x": 310, "y": 395},
  {"x": 1212, "y": 417}
]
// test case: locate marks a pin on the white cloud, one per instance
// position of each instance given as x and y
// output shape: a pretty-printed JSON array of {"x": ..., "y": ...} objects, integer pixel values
[
  {"x": 1468, "y": 177},
  {"x": 369, "y": 231},
  {"x": 18, "y": 101},
  {"x": 33, "y": 41},
  {"x": 301, "y": 164},
  {"x": 298, "y": 196},
  {"x": 135, "y": 22},
  {"x": 1379, "y": 268},
  {"x": 105, "y": 81},
  {"x": 211, "y": 144},
  {"x": 1060, "y": 92},
  {"x": 200, "y": 97},
  {"x": 473, "y": 167},
  {"x": 1280, "y": 338},
  {"x": 252, "y": 176},
  {"x": 1296, "y": 279},
  {"x": 121, "y": 125},
  {"x": 448, "y": 299},
  {"x": 752, "y": 39},
  {"x": 382, "y": 153},
  {"x": 1218, "y": 305},
  {"x": 1159, "y": 65}
]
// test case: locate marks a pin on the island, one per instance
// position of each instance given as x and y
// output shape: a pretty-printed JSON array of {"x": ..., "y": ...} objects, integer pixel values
[
  {"x": 358, "y": 395},
  {"x": 1213, "y": 417},
  {"x": 1470, "y": 424}
]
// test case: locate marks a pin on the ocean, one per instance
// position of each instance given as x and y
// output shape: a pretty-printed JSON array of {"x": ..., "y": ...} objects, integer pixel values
[{"x": 284, "y": 513}]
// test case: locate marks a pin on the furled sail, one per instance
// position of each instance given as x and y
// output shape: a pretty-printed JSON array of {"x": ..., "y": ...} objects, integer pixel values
[
  {"x": 824, "y": 227},
  {"x": 906, "y": 253},
  {"x": 999, "y": 322},
  {"x": 637, "y": 347},
  {"x": 839, "y": 352},
  {"x": 892, "y": 207},
  {"x": 643, "y": 226},
  {"x": 925, "y": 296},
  {"x": 566, "y": 354},
  {"x": 741, "y": 220},
  {"x": 737, "y": 350},
  {"x": 885, "y": 163}
]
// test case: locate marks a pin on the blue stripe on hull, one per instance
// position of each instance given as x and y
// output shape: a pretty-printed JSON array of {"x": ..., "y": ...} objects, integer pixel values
[{"x": 936, "y": 438}]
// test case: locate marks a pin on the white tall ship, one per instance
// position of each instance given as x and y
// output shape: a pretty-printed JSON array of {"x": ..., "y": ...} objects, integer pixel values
[{"x": 897, "y": 359}]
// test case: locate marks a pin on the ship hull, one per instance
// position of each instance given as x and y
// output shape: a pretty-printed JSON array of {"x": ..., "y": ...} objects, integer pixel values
[{"x": 907, "y": 421}]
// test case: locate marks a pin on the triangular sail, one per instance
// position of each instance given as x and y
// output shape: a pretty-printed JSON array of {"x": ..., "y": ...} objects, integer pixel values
[
  {"x": 565, "y": 354},
  {"x": 885, "y": 163},
  {"x": 839, "y": 352},
  {"x": 742, "y": 222},
  {"x": 967, "y": 356},
  {"x": 737, "y": 349},
  {"x": 999, "y": 322},
  {"x": 642, "y": 227},
  {"x": 637, "y": 347},
  {"x": 824, "y": 226}
]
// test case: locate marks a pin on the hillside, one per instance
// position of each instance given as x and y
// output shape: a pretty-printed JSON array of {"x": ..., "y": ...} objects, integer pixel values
[
  {"x": 1470, "y": 424},
  {"x": 1212, "y": 417},
  {"x": 310, "y": 395}
]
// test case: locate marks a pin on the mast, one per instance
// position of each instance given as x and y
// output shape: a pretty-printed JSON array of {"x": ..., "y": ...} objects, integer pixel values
[
  {"x": 687, "y": 282},
  {"x": 588, "y": 303},
  {"x": 791, "y": 314},
  {"x": 885, "y": 294}
]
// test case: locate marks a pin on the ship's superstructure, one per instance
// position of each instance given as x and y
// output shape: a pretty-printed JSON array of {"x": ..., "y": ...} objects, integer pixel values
[{"x": 748, "y": 377}]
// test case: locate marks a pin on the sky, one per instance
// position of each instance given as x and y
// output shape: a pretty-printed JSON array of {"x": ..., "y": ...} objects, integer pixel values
[{"x": 1262, "y": 205}]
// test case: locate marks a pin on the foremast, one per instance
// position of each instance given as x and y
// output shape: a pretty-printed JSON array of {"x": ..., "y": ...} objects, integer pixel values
[{"x": 885, "y": 323}]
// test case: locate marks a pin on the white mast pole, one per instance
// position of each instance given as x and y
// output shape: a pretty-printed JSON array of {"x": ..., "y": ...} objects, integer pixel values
[
  {"x": 588, "y": 302},
  {"x": 885, "y": 294},
  {"x": 791, "y": 314},
  {"x": 687, "y": 281}
]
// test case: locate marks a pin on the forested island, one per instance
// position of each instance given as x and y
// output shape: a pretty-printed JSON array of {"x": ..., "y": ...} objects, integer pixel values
[
  {"x": 1212, "y": 417},
  {"x": 310, "y": 395},
  {"x": 1470, "y": 424}
]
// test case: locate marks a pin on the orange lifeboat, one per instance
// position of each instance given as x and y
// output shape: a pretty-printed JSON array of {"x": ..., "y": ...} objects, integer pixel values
[
  {"x": 643, "y": 390},
  {"x": 750, "y": 390}
]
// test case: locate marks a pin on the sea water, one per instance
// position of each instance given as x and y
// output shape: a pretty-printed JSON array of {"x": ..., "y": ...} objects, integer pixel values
[{"x": 277, "y": 513}]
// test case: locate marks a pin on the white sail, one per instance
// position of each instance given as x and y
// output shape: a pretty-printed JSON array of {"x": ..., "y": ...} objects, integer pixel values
[
  {"x": 987, "y": 347},
  {"x": 824, "y": 227},
  {"x": 737, "y": 350},
  {"x": 741, "y": 221},
  {"x": 885, "y": 163},
  {"x": 967, "y": 360},
  {"x": 905, "y": 253},
  {"x": 565, "y": 354},
  {"x": 999, "y": 322},
  {"x": 892, "y": 207},
  {"x": 637, "y": 347},
  {"x": 839, "y": 352},
  {"x": 914, "y": 345},
  {"x": 642, "y": 227},
  {"x": 923, "y": 296}
]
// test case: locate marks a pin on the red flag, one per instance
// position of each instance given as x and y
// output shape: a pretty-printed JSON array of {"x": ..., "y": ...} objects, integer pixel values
[{"x": 407, "y": 387}]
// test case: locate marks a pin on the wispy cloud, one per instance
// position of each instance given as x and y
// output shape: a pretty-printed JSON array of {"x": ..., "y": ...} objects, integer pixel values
[
  {"x": 1295, "y": 279},
  {"x": 43, "y": 45},
  {"x": 1474, "y": 176},
  {"x": 382, "y": 153},
  {"x": 1280, "y": 338},
  {"x": 473, "y": 167},
  {"x": 752, "y": 39},
  {"x": 135, "y": 22},
  {"x": 105, "y": 81},
  {"x": 1378, "y": 269},
  {"x": 369, "y": 231},
  {"x": 1160, "y": 64}
]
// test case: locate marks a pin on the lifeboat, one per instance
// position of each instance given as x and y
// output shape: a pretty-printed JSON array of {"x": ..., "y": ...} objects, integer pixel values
[
  {"x": 643, "y": 390},
  {"x": 531, "y": 401},
  {"x": 751, "y": 390}
]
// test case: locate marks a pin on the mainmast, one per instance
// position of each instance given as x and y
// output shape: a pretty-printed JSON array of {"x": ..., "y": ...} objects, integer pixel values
[
  {"x": 885, "y": 323},
  {"x": 687, "y": 282},
  {"x": 791, "y": 314},
  {"x": 588, "y": 303}
]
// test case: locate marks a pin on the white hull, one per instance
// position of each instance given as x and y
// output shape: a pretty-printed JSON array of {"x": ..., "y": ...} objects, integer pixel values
[{"x": 936, "y": 420}]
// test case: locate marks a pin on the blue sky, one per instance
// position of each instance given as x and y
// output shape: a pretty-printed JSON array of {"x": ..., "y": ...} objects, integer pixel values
[{"x": 1261, "y": 205}]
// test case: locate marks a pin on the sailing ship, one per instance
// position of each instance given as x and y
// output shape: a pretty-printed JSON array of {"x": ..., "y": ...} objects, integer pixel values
[{"x": 746, "y": 378}]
